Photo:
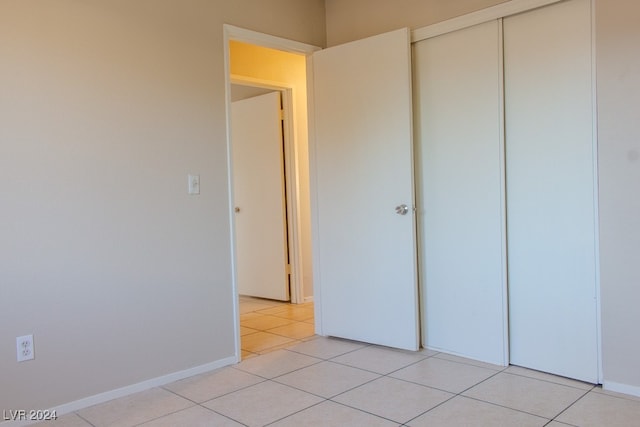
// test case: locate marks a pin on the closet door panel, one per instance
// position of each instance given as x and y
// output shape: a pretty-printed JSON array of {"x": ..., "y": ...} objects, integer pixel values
[
  {"x": 457, "y": 90},
  {"x": 550, "y": 190}
]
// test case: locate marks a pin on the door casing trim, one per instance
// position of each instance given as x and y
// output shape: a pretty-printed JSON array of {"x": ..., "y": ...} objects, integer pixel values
[{"x": 234, "y": 33}]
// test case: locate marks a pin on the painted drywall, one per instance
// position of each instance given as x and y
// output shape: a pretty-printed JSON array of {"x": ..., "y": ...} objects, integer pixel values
[
  {"x": 288, "y": 69},
  {"x": 105, "y": 107},
  {"x": 349, "y": 20},
  {"x": 618, "y": 91}
]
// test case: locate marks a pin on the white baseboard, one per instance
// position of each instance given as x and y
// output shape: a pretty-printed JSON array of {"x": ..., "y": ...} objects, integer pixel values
[
  {"x": 621, "y": 388},
  {"x": 127, "y": 390},
  {"x": 308, "y": 299}
]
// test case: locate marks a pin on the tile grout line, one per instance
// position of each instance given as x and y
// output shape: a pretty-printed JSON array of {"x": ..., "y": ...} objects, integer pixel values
[
  {"x": 520, "y": 410},
  {"x": 367, "y": 412},
  {"x": 367, "y": 370},
  {"x": 223, "y": 415},
  {"x": 460, "y": 394},
  {"x": 332, "y": 357},
  {"x": 453, "y": 395},
  {"x": 285, "y": 307},
  {"x": 331, "y": 397},
  {"x": 263, "y": 380},
  {"x": 549, "y": 381},
  {"x": 571, "y": 404},
  {"x": 431, "y": 409},
  {"x": 195, "y": 404},
  {"x": 84, "y": 419},
  {"x": 296, "y": 412},
  {"x": 387, "y": 375},
  {"x": 505, "y": 407}
]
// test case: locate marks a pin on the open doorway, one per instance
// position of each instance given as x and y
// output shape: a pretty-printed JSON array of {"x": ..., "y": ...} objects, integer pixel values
[
  {"x": 254, "y": 69},
  {"x": 263, "y": 231}
]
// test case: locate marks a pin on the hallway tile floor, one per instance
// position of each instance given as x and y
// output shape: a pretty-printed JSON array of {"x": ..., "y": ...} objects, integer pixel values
[
  {"x": 267, "y": 325},
  {"x": 318, "y": 381}
]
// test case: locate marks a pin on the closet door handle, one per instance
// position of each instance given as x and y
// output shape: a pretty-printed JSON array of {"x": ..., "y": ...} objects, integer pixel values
[{"x": 402, "y": 209}]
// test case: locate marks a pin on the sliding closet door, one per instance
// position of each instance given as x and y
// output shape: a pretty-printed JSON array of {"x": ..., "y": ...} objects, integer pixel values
[
  {"x": 550, "y": 190},
  {"x": 457, "y": 86}
]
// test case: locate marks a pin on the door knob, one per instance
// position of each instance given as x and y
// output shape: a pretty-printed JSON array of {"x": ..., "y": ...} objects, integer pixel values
[{"x": 402, "y": 209}]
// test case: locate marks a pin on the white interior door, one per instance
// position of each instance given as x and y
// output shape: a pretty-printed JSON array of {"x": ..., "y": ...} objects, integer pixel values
[
  {"x": 260, "y": 218},
  {"x": 365, "y": 257},
  {"x": 459, "y": 151},
  {"x": 550, "y": 190}
]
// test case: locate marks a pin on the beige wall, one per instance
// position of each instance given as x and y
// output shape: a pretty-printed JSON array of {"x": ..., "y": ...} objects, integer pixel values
[
  {"x": 618, "y": 89},
  {"x": 288, "y": 69},
  {"x": 105, "y": 107},
  {"x": 349, "y": 20},
  {"x": 618, "y": 65}
]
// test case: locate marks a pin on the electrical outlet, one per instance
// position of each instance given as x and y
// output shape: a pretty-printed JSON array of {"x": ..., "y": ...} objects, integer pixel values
[{"x": 24, "y": 347}]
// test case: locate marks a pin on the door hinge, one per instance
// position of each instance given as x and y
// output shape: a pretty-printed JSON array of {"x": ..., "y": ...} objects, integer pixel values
[
  {"x": 281, "y": 114},
  {"x": 288, "y": 269}
]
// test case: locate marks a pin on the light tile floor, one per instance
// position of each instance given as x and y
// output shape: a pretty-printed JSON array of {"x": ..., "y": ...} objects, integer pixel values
[
  {"x": 317, "y": 381},
  {"x": 267, "y": 325}
]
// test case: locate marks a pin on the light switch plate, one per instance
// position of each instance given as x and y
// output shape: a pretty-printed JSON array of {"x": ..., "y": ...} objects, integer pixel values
[{"x": 194, "y": 184}]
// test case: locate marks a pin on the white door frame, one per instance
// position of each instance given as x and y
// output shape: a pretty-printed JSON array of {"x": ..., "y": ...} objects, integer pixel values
[{"x": 230, "y": 33}]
